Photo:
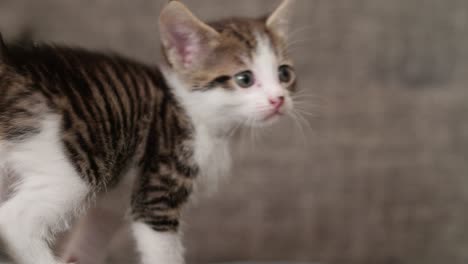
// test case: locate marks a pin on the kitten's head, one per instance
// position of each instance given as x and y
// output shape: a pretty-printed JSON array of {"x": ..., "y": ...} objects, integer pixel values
[{"x": 233, "y": 71}]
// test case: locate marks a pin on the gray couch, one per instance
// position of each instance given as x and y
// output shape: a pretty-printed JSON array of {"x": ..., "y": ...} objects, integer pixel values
[{"x": 382, "y": 174}]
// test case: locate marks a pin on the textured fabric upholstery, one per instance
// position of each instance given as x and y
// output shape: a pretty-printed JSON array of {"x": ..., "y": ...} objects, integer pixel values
[{"x": 381, "y": 175}]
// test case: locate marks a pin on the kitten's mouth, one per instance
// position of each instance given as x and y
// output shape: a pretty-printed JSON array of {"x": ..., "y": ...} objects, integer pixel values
[{"x": 272, "y": 115}]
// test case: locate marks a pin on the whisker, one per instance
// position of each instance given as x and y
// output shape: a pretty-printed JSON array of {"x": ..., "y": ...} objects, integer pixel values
[
  {"x": 304, "y": 111},
  {"x": 304, "y": 92},
  {"x": 235, "y": 129},
  {"x": 306, "y": 96},
  {"x": 305, "y": 121},
  {"x": 307, "y": 105},
  {"x": 298, "y": 126}
]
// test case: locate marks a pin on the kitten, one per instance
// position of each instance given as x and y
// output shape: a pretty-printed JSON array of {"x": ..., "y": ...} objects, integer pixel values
[{"x": 79, "y": 127}]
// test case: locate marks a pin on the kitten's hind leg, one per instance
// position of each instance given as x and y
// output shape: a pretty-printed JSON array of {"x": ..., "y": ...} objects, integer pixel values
[{"x": 48, "y": 193}]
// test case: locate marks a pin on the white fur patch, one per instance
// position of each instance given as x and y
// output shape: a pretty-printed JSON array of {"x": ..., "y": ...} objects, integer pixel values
[
  {"x": 48, "y": 193},
  {"x": 157, "y": 247},
  {"x": 265, "y": 66},
  {"x": 211, "y": 126},
  {"x": 213, "y": 156}
]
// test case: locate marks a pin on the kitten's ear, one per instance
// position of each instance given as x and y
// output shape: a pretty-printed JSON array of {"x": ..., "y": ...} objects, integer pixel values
[
  {"x": 279, "y": 20},
  {"x": 187, "y": 40}
]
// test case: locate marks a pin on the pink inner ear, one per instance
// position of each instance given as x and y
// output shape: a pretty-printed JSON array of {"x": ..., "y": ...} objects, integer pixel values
[{"x": 186, "y": 45}]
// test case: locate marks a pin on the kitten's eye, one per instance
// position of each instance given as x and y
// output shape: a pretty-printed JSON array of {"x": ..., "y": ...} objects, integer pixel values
[
  {"x": 286, "y": 74},
  {"x": 245, "y": 79}
]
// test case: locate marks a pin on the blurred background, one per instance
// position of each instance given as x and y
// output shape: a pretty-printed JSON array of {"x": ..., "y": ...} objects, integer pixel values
[{"x": 380, "y": 174}]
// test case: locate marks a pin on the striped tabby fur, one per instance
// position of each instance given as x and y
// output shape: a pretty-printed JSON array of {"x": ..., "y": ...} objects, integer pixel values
[
  {"x": 115, "y": 112},
  {"x": 117, "y": 115}
]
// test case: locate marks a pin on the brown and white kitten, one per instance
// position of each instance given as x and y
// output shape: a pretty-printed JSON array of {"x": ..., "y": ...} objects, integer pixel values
[{"x": 77, "y": 126}]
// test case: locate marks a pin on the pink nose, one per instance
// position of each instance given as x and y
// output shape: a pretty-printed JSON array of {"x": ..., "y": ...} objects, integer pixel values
[{"x": 277, "y": 102}]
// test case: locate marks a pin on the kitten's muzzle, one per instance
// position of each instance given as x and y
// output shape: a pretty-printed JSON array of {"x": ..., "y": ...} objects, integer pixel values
[{"x": 277, "y": 102}]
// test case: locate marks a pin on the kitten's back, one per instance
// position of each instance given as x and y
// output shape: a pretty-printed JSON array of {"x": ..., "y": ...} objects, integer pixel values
[{"x": 104, "y": 103}]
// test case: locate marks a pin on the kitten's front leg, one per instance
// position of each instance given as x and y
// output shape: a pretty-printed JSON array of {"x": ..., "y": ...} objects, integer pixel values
[
  {"x": 156, "y": 206},
  {"x": 157, "y": 247}
]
